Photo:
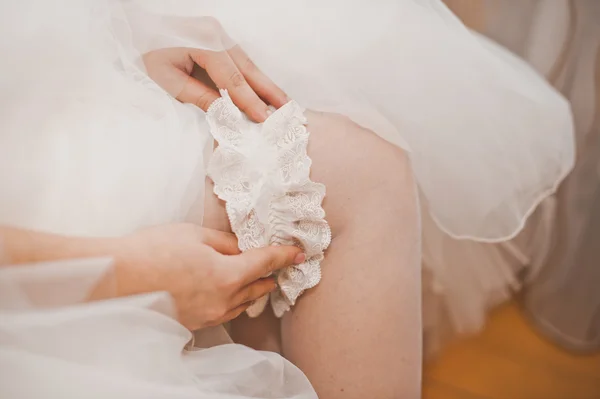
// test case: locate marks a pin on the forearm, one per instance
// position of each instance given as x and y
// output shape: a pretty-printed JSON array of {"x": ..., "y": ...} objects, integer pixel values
[{"x": 19, "y": 246}]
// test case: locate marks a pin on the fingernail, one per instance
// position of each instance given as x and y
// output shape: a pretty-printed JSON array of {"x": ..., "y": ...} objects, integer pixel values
[
  {"x": 269, "y": 112},
  {"x": 300, "y": 258}
]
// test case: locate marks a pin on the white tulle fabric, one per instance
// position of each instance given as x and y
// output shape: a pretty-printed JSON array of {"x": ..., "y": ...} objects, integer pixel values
[
  {"x": 89, "y": 145},
  {"x": 54, "y": 343},
  {"x": 488, "y": 138},
  {"x": 262, "y": 172}
]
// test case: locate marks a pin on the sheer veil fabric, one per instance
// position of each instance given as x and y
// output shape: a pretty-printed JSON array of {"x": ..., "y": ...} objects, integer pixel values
[
  {"x": 54, "y": 343},
  {"x": 91, "y": 146}
]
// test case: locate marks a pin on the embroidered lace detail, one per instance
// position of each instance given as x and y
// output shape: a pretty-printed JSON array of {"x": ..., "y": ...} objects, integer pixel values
[{"x": 262, "y": 173}]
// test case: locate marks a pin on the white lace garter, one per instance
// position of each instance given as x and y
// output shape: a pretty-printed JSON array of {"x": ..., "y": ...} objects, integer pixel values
[{"x": 262, "y": 173}]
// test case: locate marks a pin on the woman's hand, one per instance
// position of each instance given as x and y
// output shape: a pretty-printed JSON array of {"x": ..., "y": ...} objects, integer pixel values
[
  {"x": 232, "y": 69},
  {"x": 201, "y": 268}
]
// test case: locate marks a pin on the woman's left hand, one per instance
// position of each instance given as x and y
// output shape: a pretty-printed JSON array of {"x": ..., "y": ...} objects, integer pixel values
[{"x": 232, "y": 70}]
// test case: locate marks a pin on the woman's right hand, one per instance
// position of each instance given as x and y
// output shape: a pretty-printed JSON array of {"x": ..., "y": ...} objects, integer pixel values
[{"x": 201, "y": 268}]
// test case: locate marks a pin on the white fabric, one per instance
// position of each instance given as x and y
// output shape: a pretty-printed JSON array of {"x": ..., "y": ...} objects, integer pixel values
[
  {"x": 89, "y": 145},
  {"x": 54, "y": 345},
  {"x": 488, "y": 137},
  {"x": 462, "y": 146},
  {"x": 262, "y": 171}
]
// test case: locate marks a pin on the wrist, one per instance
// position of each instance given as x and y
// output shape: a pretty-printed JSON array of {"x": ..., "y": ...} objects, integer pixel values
[
  {"x": 123, "y": 277},
  {"x": 27, "y": 246},
  {"x": 49, "y": 247},
  {"x": 119, "y": 279},
  {"x": 20, "y": 246}
]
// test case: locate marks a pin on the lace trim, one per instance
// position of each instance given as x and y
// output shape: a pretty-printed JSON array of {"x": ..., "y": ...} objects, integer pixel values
[{"x": 262, "y": 173}]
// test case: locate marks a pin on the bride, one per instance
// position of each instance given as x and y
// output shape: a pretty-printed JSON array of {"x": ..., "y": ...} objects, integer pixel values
[{"x": 389, "y": 128}]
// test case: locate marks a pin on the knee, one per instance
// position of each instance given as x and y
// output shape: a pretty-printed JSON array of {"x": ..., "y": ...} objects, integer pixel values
[{"x": 362, "y": 172}]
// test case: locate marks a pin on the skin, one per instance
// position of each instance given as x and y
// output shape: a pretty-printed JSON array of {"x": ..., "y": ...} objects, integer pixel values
[
  {"x": 202, "y": 269},
  {"x": 380, "y": 322},
  {"x": 375, "y": 329},
  {"x": 250, "y": 89}
]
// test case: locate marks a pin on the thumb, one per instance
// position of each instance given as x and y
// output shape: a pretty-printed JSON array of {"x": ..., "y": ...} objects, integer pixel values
[
  {"x": 225, "y": 243},
  {"x": 261, "y": 262}
]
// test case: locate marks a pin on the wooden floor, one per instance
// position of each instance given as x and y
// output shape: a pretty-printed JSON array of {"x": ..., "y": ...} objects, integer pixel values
[{"x": 510, "y": 361}]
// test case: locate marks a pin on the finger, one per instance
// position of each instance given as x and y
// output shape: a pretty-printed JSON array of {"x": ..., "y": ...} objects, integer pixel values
[
  {"x": 197, "y": 93},
  {"x": 223, "y": 71},
  {"x": 253, "y": 291},
  {"x": 235, "y": 312},
  {"x": 262, "y": 85},
  {"x": 257, "y": 263},
  {"x": 169, "y": 75},
  {"x": 222, "y": 242}
]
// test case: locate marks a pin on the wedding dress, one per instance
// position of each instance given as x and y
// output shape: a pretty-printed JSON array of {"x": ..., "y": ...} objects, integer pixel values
[{"x": 91, "y": 146}]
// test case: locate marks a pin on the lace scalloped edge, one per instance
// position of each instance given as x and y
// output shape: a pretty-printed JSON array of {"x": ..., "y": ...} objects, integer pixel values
[{"x": 262, "y": 172}]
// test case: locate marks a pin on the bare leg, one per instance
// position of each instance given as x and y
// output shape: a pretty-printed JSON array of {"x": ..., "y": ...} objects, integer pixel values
[{"x": 358, "y": 333}]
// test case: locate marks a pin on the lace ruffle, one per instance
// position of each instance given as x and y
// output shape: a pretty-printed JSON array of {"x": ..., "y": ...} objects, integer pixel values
[{"x": 262, "y": 173}]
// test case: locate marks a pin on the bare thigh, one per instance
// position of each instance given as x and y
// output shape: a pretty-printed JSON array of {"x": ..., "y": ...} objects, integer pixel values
[{"x": 359, "y": 331}]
